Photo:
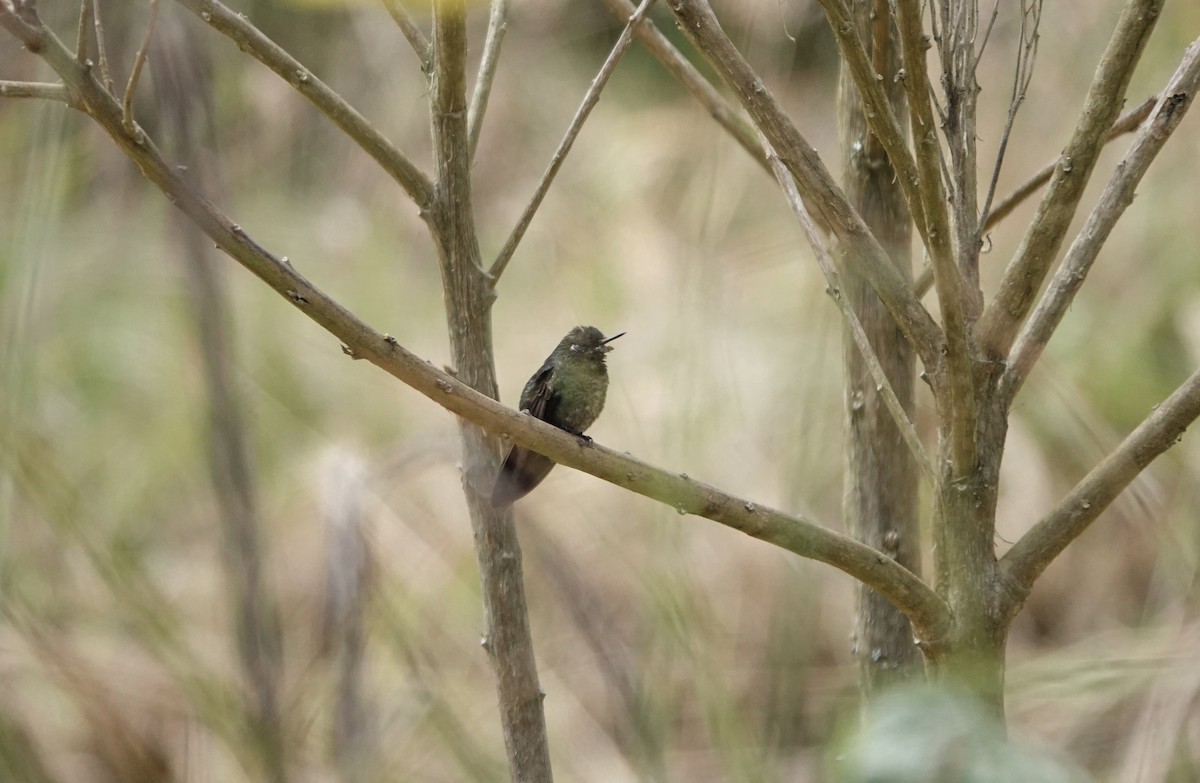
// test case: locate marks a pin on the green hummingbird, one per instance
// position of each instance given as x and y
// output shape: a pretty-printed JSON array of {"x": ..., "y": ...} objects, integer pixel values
[{"x": 567, "y": 391}]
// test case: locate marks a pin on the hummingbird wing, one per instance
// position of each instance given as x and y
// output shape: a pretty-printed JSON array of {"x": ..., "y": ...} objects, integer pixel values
[
  {"x": 539, "y": 397},
  {"x": 524, "y": 469}
]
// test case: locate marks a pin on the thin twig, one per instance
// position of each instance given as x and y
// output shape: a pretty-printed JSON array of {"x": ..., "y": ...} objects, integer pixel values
[
  {"x": 1163, "y": 428},
  {"x": 250, "y": 39},
  {"x": 85, "y": 24},
  {"x": 825, "y": 261},
  {"x": 929, "y": 613},
  {"x": 1128, "y": 122},
  {"x": 45, "y": 90},
  {"x": 497, "y": 24},
  {"x": 1022, "y": 75},
  {"x": 416, "y": 39},
  {"x": 590, "y": 98},
  {"x": 1023, "y": 278},
  {"x": 1117, "y": 196},
  {"x": 101, "y": 53},
  {"x": 139, "y": 62},
  {"x": 718, "y": 107},
  {"x": 987, "y": 35}
]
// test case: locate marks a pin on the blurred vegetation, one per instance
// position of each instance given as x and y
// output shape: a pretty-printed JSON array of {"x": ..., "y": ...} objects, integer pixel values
[{"x": 670, "y": 648}]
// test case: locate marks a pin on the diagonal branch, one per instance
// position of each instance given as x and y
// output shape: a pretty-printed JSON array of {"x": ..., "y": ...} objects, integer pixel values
[
  {"x": 880, "y": 116},
  {"x": 497, "y": 25},
  {"x": 903, "y": 423},
  {"x": 1074, "y": 513},
  {"x": 826, "y": 201},
  {"x": 590, "y": 99},
  {"x": 1025, "y": 273},
  {"x": 929, "y": 614},
  {"x": 1117, "y": 196},
  {"x": 416, "y": 39},
  {"x": 251, "y": 40},
  {"x": 726, "y": 115}
]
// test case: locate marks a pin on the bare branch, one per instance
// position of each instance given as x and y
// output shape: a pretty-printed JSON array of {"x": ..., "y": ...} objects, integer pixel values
[
  {"x": 929, "y": 614},
  {"x": 726, "y": 114},
  {"x": 1128, "y": 122},
  {"x": 1091, "y": 496},
  {"x": 1025, "y": 273},
  {"x": 250, "y": 39},
  {"x": 952, "y": 289},
  {"x": 43, "y": 90},
  {"x": 825, "y": 261},
  {"x": 139, "y": 62},
  {"x": 497, "y": 24},
  {"x": 85, "y": 23},
  {"x": 420, "y": 44},
  {"x": 877, "y": 109},
  {"x": 959, "y": 127},
  {"x": 821, "y": 193},
  {"x": 1117, "y": 196},
  {"x": 101, "y": 53},
  {"x": 590, "y": 98},
  {"x": 1022, "y": 75}
]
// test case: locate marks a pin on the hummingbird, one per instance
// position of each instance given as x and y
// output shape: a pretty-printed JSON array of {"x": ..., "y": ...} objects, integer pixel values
[{"x": 567, "y": 391}]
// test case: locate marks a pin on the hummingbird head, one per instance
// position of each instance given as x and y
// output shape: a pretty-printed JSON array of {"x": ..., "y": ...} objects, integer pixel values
[{"x": 587, "y": 341}]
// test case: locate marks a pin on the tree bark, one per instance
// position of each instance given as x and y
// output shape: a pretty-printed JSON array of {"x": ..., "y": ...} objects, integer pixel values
[
  {"x": 881, "y": 476},
  {"x": 507, "y": 637}
]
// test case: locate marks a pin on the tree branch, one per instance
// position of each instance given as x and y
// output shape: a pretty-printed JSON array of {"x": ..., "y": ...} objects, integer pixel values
[
  {"x": 952, "y": 288},
  {"x": 824, "y": 260},
  {"x": 497, "y": 24},
  {"x": 726, "y": 115},
  {"x": 135, "y": 73},
  {"x": 416, "y": 39},
  {"x": 1025, "y": 273},
  {"x": 590, "y": 99},
  {"x": 1117, "y": 196},
  {"x": 1022, "y": 75},
  {"x": 44, "y": 90},
  {"x": 251, "y": 40},
  {"x": 881, "y": 118},
  {"x": 1074, "y": 513},
  {"x": 1128, "y": 122},
  {"x": 929, "y": 614},
  {"x": 508, "y": 639},
  {"x": 826, "y": 201}
]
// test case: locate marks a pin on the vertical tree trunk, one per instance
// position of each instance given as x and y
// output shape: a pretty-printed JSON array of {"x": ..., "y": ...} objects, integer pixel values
[
  {"x": 881, "y": 477},
  {"x": 468, "y": 297}
]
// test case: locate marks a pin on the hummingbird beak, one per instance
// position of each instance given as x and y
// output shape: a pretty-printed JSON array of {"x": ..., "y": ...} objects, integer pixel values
[{"x": 605, "y": 343}]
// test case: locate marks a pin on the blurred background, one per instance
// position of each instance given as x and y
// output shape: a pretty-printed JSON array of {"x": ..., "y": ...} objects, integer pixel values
[{"x": 670, "y": 648}]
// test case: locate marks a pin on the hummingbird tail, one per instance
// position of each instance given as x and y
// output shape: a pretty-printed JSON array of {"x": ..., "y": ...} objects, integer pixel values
[{"x": 522, "y": 471}]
